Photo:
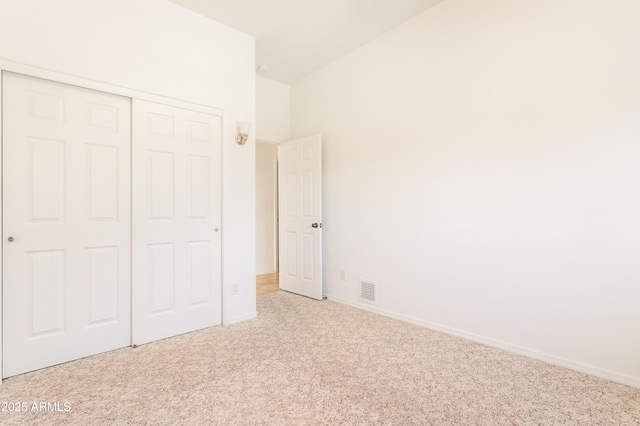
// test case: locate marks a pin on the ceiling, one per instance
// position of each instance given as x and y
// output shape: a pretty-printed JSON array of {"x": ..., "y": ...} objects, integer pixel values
[{"x": 297, "y": 37}]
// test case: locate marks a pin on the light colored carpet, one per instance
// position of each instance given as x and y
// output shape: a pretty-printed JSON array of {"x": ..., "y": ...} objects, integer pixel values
[{"x": 305, "y": 362}]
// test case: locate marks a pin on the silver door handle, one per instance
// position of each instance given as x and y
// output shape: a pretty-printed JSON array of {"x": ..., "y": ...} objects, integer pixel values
[
  {"x": 216, "y": 229},
  {"x": 10, "y": 239}
]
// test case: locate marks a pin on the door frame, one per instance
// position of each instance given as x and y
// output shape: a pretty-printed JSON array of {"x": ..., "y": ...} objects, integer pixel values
[
  {"x": 277, "y": 202},
  {"x": 59, "y": 77},
  {"x": 276, "y": 199}
]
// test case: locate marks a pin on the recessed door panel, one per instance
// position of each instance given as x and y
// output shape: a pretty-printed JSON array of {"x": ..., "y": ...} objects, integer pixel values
[
  {"x": 307, "y": 152},
  {"x": 66, "y": 209},
  {"x": 102, "y": 171},
  {"x": 199, "y": 187},
  {"x": 291, "y": 249},
  {"x": 160, "y": 127},
  {"x": 161, "y": 278},
  {"x": 308, "y": 200},
  {"x": 47, "y": 183},
  {"x": 199, "y": 132},
  {"x": 46, "y": 281},
  {"x": 160, "y": 185},
  {"x": 44, "y": 106},
  {"x": 199, "y": 272},
  {"x": 103, "y": 117},
  {"x": 308, "y": 255},
  {"x": 103, "y": 285}
]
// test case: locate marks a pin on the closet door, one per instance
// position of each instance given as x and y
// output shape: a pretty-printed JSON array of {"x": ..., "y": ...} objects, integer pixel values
[
  {"x": 176, "y": 221},
  {"x": 66, "y": 223}
]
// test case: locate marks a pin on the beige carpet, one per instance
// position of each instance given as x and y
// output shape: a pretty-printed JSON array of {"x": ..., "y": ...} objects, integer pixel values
[{"x": 306, "y": 362}]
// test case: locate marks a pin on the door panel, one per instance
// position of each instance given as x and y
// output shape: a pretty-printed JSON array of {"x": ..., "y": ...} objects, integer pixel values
[
  {"x": 161, "y": 279},
  {"x": 102, "y": 183},
  {"x": 46, "y": 287},
  {"x": 176, "y": 210},
  {"x": 198, "y": 272},
  {"x": 102, "y": 264},
  {"x": 161, "y": 185},
  {"x": 66, "y": 190},
  {"x": 300, "y": 179}
]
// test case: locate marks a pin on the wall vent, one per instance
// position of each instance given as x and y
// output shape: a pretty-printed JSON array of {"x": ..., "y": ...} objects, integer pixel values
[{"x": 368, "y": 291}]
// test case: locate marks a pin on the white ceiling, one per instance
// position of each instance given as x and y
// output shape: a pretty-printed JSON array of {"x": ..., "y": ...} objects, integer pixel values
[{"x": 297, "y": 37}]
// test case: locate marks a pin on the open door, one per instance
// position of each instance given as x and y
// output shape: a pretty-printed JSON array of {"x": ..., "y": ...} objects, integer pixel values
[{"x": 300, "y": 212}]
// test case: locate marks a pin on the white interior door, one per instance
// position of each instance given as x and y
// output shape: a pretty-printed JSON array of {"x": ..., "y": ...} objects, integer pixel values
[
  {"x": 66, "y": 223},
  {"x": 176, "y": 221},
  {"x": 300, "y": 215}
]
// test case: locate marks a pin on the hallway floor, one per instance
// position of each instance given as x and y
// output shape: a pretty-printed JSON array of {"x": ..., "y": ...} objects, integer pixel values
[{"x": 267, "y": 283}]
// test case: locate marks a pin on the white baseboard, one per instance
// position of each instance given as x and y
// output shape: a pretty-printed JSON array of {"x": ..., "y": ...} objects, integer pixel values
[
  {"x": 265, "y": 272},
  {"x": 239, "y": 318},
  {"x": 531, "y": 353}
]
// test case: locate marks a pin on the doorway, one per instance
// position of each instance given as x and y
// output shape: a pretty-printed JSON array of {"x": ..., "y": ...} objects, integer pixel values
[
  {"x": 266, "y": 217},
  {"x": 295, "y": 176}
]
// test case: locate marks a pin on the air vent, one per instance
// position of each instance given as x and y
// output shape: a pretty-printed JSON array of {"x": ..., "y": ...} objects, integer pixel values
[{"x": 368, "y": 291}]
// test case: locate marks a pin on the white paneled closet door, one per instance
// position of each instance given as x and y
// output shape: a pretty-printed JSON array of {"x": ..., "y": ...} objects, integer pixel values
[
  {"x": 176, "y": 221},
  {"x": 66, "y": 223}
]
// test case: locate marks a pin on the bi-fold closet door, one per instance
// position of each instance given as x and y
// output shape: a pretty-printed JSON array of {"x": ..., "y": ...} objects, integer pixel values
[{"x": 69, "y": 202}]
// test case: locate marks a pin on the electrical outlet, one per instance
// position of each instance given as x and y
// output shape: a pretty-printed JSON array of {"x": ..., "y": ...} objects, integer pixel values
[
  {"x": 235, "y": 289},
  {"x": 343, "y": 275}
]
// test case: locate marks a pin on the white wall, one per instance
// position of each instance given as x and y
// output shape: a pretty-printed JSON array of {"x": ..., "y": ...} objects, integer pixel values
[
  {"x": 482, "y": 166},
  {"x": 273, "y": 111},
  {"x": 160, "y": 48},
  {"x": 266, "y": 207}
]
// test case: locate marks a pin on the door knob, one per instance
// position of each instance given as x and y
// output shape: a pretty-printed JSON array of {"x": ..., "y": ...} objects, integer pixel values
[
  {"x": 10, "y": 239},
  {"x": 316, "y": 225}
]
